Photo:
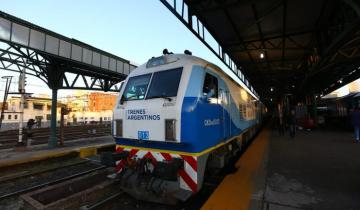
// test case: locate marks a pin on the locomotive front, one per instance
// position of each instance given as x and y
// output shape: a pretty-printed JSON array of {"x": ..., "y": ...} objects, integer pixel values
[{"x": 146, "y": 128}]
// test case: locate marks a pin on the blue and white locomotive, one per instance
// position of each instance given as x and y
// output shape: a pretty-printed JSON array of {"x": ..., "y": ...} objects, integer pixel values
[{"x": 176, "y": 116}]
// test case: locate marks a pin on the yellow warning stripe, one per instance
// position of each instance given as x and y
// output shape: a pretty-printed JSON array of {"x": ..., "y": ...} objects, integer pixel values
[
  {"x": 235, "y": 191},
  {"x": 178, "y": 152}
]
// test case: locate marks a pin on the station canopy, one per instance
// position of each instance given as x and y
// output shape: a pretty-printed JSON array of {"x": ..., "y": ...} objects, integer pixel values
[{"x": 282, "y": 46}]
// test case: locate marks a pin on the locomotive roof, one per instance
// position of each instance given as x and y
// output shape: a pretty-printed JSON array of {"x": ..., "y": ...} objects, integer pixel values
[{"x": 177, "y": 60}]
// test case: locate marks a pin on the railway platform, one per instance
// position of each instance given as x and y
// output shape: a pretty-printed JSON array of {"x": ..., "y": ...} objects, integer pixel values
[
  {"x": 317, "y": 169},
  {"x": 84, "y": 147}
]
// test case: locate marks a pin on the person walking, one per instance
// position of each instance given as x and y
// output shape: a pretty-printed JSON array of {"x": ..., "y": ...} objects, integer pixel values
[
  {"x": 292, "y": 123},
  {"x": 355, "y": 120}
]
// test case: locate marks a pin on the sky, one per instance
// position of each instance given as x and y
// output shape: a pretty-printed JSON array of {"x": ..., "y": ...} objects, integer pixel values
[
  {"x": 132, "y": 29},
  {"x": 135, "y": 30}
]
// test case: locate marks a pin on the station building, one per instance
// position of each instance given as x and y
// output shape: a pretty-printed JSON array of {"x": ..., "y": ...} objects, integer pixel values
[
  {"x": 86, "y": 108},
  {"x": 37, "y": 108},
  {"x": 93, "y": 107}
]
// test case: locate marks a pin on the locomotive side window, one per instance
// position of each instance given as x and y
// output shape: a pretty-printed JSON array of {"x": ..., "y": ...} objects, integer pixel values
[
  {"x": 210, "y": 89},
  {"x": 165, "y": 84},
  {"x": 136, "y": 87}
]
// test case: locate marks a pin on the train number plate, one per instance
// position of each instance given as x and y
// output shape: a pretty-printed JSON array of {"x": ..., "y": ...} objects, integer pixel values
[{"x": 144, "y": 135}]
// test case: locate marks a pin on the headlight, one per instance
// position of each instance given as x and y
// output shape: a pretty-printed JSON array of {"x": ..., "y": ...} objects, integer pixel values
[
  {"x": 170, "y": 128},
  {"x": 118, "y": 128}
]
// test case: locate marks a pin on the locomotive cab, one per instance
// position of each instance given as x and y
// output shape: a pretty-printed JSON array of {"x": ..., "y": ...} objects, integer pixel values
[{"x": 150, "y": 102}]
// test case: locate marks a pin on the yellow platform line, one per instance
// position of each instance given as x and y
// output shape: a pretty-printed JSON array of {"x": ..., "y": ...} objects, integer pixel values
[{"x": 234, "y": 192}]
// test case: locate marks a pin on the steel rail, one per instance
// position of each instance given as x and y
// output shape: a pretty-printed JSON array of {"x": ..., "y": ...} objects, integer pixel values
[
  {"x": 50, "y": 182},
  {"x": 103, "y": 202},
  {"x": 25, "y": 174}
]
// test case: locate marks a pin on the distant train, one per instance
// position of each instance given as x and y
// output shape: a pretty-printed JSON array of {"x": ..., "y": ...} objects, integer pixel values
[
  {"x": 336, "y": 112},
  {"x": 177, "y": 116}
]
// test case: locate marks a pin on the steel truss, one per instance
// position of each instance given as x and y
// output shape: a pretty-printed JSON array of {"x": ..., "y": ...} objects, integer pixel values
[
  {"x": 61, "y": 62},
  {"x": 181, "y": 10},
  {"x": 344, "y": 64},
  {"x": 326, "y": 53},
  {"x": 16, "y": 58}
]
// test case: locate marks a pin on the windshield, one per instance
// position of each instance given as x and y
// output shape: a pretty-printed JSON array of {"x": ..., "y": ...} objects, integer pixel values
[
  {"x": 165, "y": 84},
  {"x": 136, "y": 87}
]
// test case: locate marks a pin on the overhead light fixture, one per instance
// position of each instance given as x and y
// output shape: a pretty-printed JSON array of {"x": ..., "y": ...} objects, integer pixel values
[
  {"x": 340, "y": 81},
  {"x": 271, "y": 89},
  {"x": 270, "y": 99},
  {"x": 262, "y": 55}
]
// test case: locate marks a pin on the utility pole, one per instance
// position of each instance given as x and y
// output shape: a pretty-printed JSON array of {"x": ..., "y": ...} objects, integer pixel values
[
  {"x": 22, "y": 102},
  {"x": 64, "y": 111},
  {"x": 7, "y": 87}
]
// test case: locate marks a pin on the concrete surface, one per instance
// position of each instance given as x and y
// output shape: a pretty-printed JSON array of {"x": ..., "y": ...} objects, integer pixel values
[
  {"x": 10, "y": 157},
  {"x": 314, "y": 170},
  {"x": 317, "y": 169}
]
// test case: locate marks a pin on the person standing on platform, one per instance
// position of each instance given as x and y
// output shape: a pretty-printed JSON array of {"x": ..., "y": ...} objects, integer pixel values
[
  {"x": 281, "y": 121},
  {"x": 292, "y": 123},
  {"x": 355, "y": 120},
  {"x": 29, "y": 132}
]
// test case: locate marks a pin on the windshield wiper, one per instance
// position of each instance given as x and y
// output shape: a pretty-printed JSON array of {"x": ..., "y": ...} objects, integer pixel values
[
  {"x": 134, "y": 96},
  {"x": 161, "y": 96}
]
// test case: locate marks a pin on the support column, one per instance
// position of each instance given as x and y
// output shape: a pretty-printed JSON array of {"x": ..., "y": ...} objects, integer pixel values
[
  {"x": 21, "y": 121},
  {"x": 53, "y": 139},
  {"x": 314, "y": 109},
  {"x": 7, "y": 87},
  {"x": 55, "y": 80}
]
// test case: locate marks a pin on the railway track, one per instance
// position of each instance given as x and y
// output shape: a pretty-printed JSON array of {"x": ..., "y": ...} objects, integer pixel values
[
  {"x": 25, "y": 177},
  {"x": 24, "y": 174},
  {"x": 118, "y": 200},
  {"x": 31, "y": 188},
  {"x": 103, "y": 204},
  {"x": 121, "y": 200},
  {"x": 20, "y": 180},
  {"x": 8, "y": 139},
  {"x": 54, "y": 174}
]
